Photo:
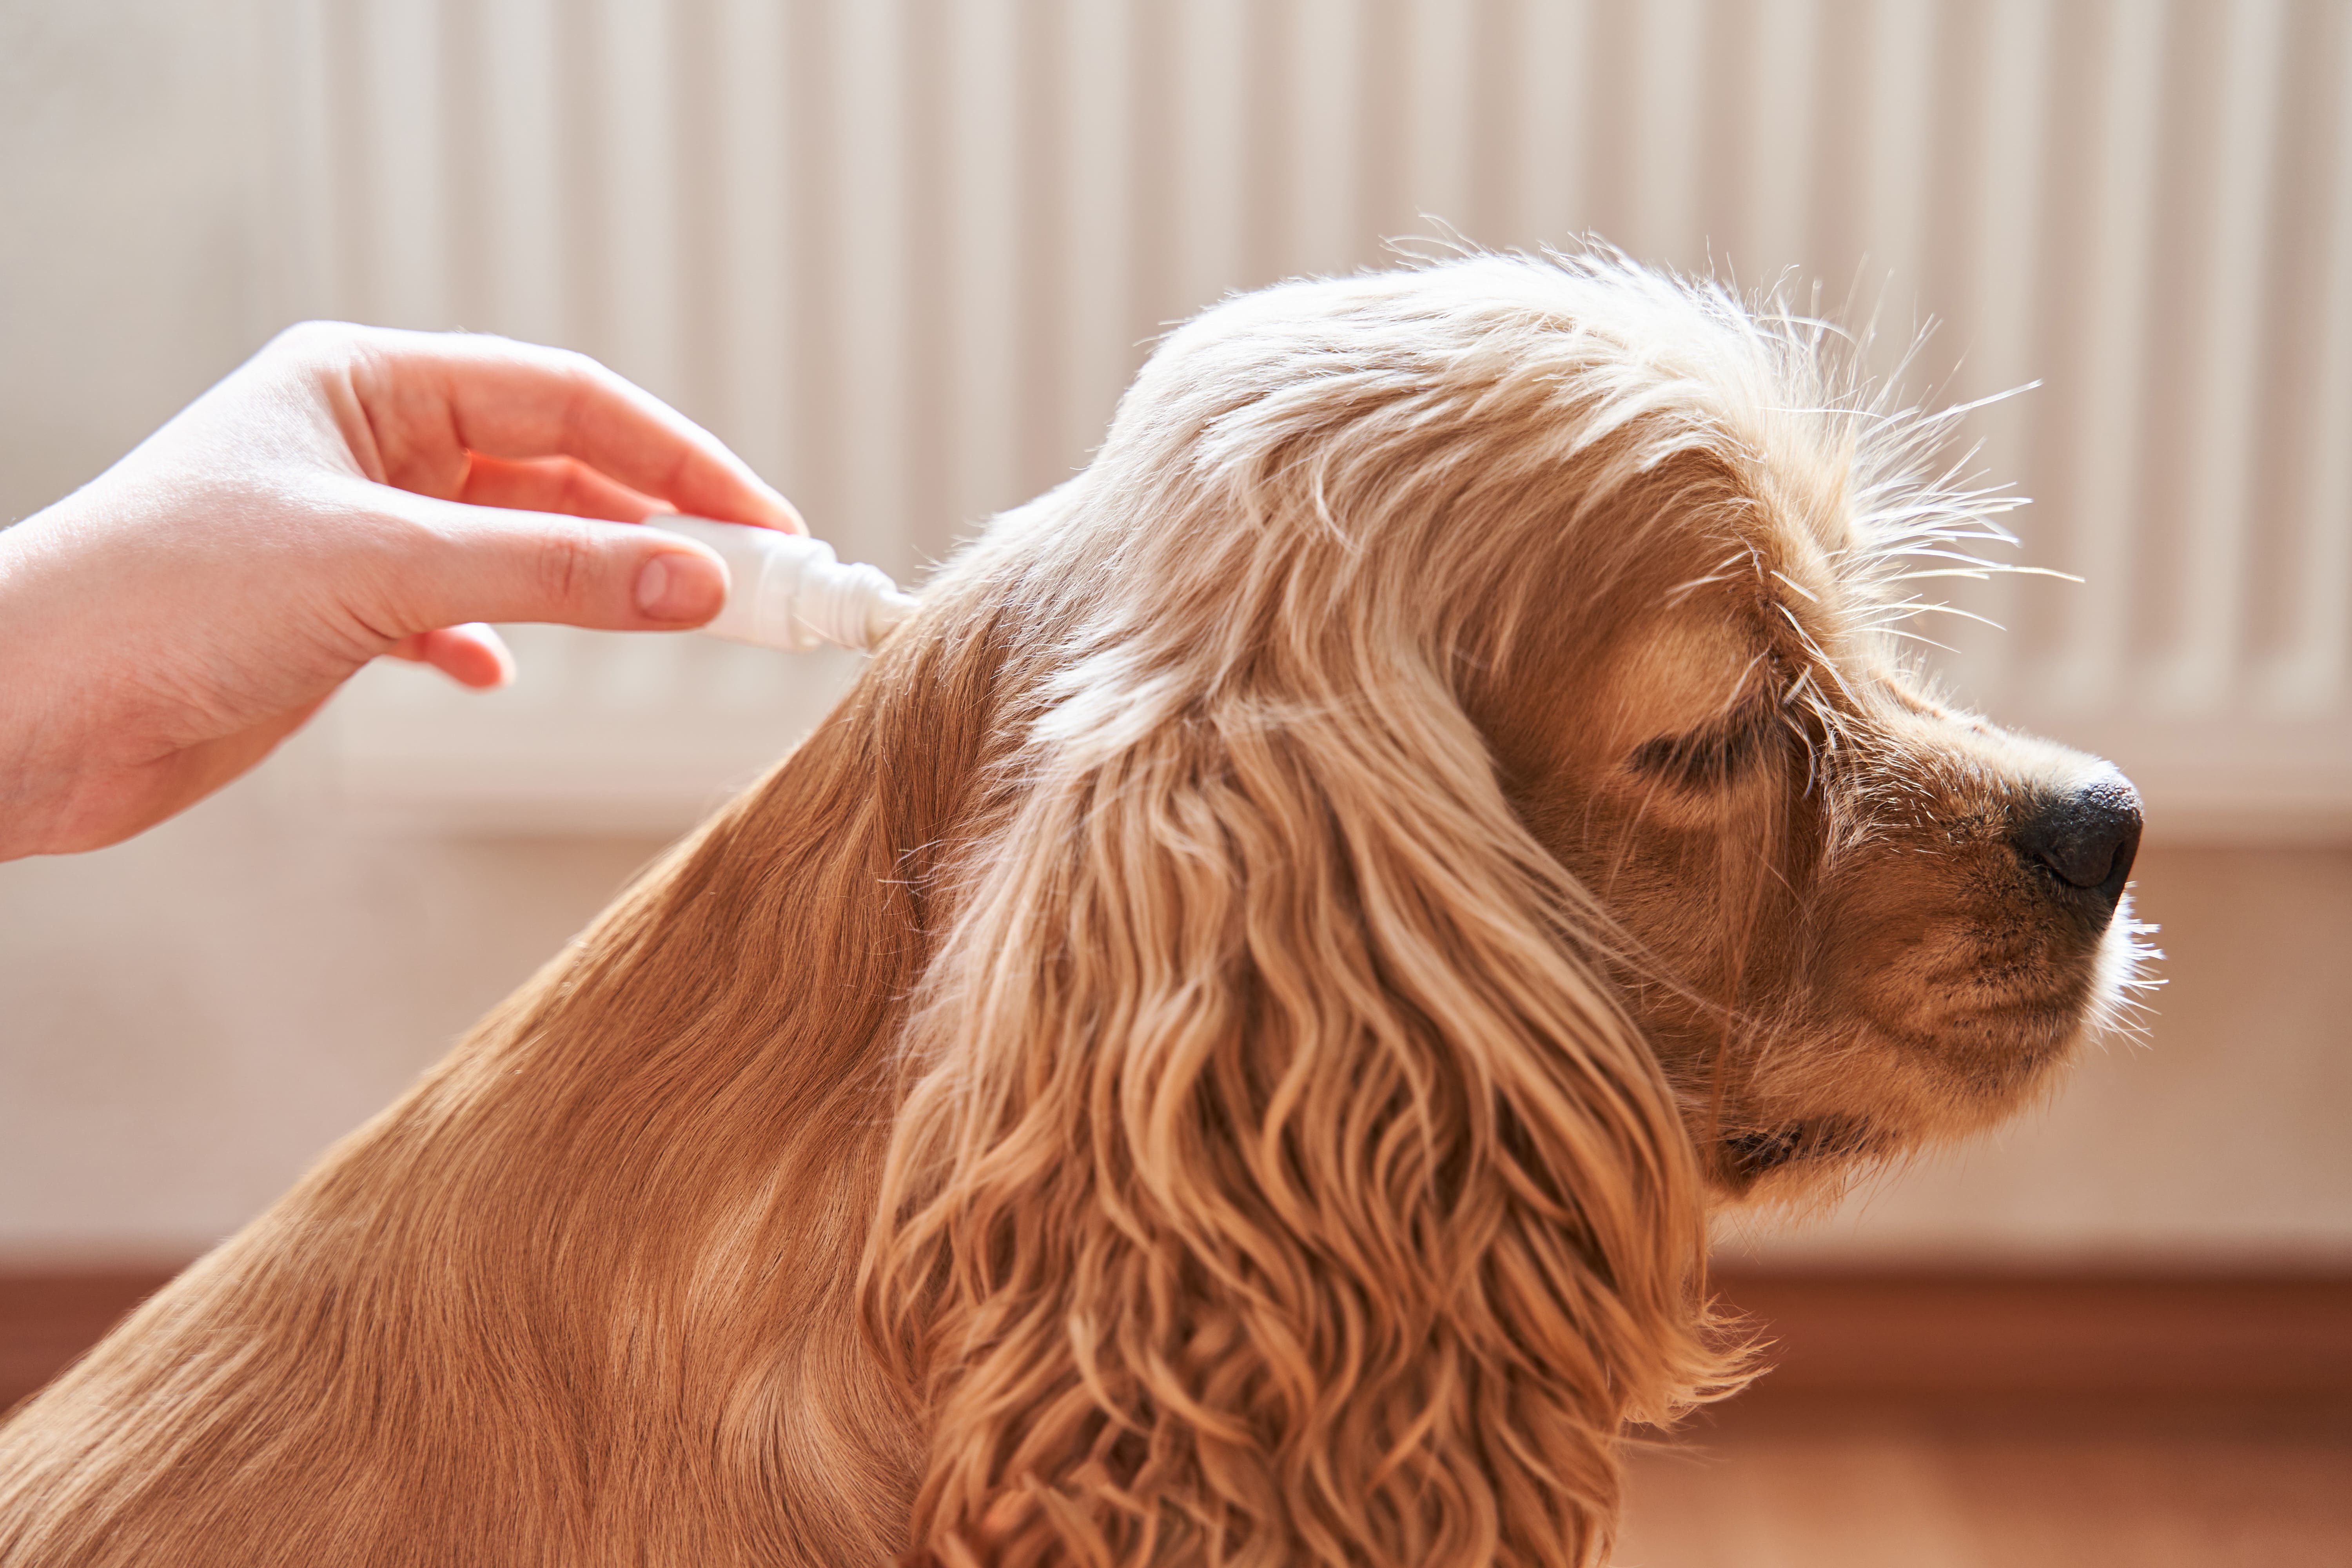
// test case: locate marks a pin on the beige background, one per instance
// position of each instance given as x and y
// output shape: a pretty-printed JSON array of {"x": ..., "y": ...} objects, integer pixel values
[
  {"x": 186, "y": 1020},
  {"x": 191, "y": 1017}
]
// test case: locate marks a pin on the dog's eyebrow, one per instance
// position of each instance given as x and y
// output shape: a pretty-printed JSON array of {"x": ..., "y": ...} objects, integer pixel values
[
  {"x": 1725, "y": 571},
  {"x": 1739, "y": 695}
]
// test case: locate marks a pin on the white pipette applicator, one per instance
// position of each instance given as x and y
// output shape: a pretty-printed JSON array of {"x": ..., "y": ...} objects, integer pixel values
[{"x": 787, "y": 591}]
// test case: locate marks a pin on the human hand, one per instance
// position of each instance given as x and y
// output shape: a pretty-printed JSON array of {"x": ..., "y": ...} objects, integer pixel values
[{"x": 348, "y": 492}]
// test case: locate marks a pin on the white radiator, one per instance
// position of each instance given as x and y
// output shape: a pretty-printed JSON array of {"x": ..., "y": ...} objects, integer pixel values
[{"x": 903, "y": 254}]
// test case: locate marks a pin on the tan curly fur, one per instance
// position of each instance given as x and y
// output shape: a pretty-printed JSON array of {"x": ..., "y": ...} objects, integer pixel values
[{"x": 1220, "y": 1051}]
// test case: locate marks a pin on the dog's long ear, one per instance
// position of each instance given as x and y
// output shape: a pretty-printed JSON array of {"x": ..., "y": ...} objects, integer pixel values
[{"x": 1278, "y": 1184}]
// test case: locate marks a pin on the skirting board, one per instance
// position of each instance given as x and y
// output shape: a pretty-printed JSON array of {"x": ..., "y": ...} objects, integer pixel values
[
  {"x": 1948, "y": 1340},
  {"x": 2272, "y": 1344}
]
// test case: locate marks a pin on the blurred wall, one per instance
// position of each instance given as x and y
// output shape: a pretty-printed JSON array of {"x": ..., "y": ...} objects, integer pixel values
[
  {"x": 132, "y": 226},
  {"x": 191, "y": 1017},
  {"x": 186, "y": 1020},
  {"x": 904, "y": 254}
]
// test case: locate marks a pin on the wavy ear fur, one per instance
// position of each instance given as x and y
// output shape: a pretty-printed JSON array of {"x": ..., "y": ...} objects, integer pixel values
[
  {"x": 1278, "y": 1181},
  {"x": 1278, "y": 1184}
]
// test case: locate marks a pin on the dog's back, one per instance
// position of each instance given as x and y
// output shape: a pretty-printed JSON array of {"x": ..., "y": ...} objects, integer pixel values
[{"x": 588, "y": 1294}]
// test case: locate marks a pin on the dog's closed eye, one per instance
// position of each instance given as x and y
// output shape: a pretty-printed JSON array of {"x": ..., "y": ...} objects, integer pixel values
[{"x": 1711, "y": 758}]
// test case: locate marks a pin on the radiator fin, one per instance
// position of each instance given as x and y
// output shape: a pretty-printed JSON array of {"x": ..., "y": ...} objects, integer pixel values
[{"x": 904, "y": 254}]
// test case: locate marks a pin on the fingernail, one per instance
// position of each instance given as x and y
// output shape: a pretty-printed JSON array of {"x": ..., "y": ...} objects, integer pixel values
[{"x": 678, "y": 586}]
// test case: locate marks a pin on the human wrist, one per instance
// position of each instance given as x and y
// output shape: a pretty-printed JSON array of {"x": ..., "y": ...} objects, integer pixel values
[{"x": 35, "y": 748}]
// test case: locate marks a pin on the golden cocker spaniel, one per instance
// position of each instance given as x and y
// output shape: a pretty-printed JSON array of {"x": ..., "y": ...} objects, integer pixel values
[{"x": 1221, "y": 1049}]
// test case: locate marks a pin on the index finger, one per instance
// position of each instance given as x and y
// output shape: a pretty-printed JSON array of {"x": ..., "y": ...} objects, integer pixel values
[{"x": 430, "y": 395}]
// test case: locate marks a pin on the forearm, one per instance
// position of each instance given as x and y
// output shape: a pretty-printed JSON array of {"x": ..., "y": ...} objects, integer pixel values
[
  {"x": 70, "y": 747},
  {"x": 35, "y": 772}
]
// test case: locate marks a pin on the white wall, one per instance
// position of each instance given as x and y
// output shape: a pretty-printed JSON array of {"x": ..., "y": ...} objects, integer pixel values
[
  {"x": 131, "y": 225},
  {"x": 191, "y": 1017},
  {"x": 904, "y": 253},
  {"x": 187, "y": 1019}
]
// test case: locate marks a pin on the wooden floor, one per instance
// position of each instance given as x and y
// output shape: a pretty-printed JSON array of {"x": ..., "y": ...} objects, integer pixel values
[
  {"x": 1880, "y": 1487},
  {"x": 2008, "y": 1421},
  {"x": 1913, "y": 1421}
]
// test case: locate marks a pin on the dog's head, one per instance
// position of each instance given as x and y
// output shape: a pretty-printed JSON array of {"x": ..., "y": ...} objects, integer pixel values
[
  {"x": 1855, "y": 920},
  {"x": 1457, "y": 804}
]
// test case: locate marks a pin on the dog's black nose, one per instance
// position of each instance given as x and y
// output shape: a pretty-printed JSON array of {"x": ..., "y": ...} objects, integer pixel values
[{"x": 2084, "y": 842}]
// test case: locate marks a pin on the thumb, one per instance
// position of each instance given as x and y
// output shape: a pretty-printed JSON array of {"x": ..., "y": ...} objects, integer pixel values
[{"x": 489, "y": 564}]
